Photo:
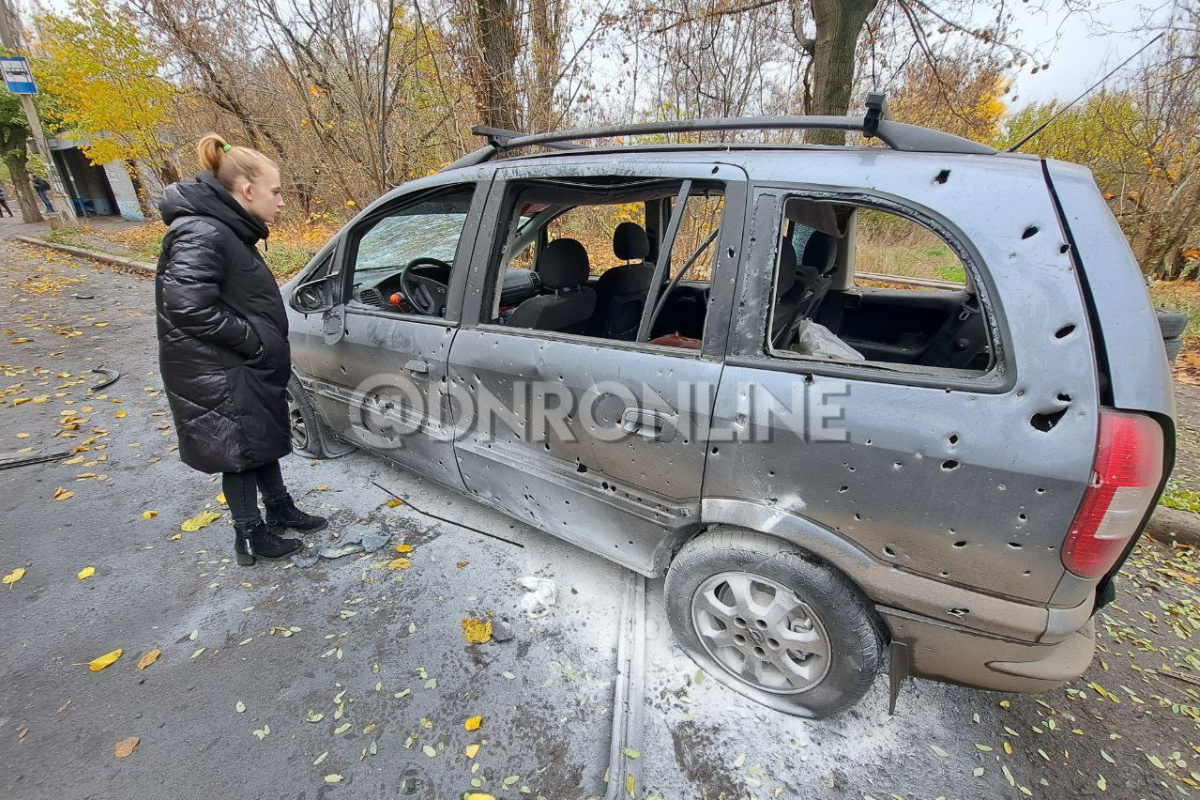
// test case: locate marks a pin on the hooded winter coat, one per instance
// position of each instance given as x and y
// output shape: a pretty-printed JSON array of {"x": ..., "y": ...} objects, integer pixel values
[{"x": 217, "y": 303}]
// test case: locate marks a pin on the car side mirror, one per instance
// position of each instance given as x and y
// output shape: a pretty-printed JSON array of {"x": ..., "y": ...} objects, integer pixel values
[{"x": 313, "y": 296}]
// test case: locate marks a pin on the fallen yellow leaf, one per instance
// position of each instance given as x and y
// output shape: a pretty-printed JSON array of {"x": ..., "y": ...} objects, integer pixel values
[
  {"x": 404, "y": 548},
  {"x": 22, "y": 435},
  {"x": 199, "y": 521},
  {"x": 151, "y": 514},
  {"x": 105, "y": 660},
  {"x": 473, "y": 723},
  {"x": 395, "y": 501},
  {"x": 62, "y": 494},
  {"x": 477, "y": 631},
  {"x": 13, "y": 577},
  {"x": 399, "y": 563},
  {"x": 125, "y": 747},
  {"x": 472, "y": 750},
  {"x": 120, "y": 415},
  {"x": 86, "y": 573},
  {"x": 149, "y": 658},
  {"x": 221, "y": 499},
  {"x": 478, "y": 796},
  {"x": 324, "y": 487}
]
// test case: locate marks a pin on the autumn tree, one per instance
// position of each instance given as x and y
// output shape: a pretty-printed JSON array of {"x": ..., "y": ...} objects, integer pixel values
[
  {"x": 836, "y": 37},
  {"x": 349, "y": 98},
  {"x": 1142, "y": 144},
  {"x": 14, "y": 133},
  {"x": 106, "y": 80},
  {"x": 961, "y": 93}
]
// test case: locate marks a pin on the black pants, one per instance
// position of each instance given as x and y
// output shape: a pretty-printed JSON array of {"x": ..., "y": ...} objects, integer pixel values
[
  {"x": 4, "y": 205},
  {"x": 241, "y": 491}
]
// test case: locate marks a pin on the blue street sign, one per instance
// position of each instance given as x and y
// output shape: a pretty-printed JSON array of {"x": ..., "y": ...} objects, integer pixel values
[{"x": 17, "y": 76}]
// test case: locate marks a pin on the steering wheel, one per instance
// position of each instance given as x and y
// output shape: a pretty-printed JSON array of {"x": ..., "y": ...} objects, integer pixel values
[{"x": 424, "y": 284}]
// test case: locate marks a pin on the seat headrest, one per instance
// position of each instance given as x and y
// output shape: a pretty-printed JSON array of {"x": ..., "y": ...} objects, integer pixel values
[
  {"x": 820, "y": 252},
  {"x": 563, "y": 264},
  {"x": 630, "y": 242},
  {"x": 787, "y": 269}
]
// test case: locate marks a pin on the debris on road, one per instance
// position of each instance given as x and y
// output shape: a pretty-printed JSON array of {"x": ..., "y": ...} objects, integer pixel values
[
  {"x": 455, "y": 523},
  {"x": 24, "y": 462},
  {"x": 540, "y": 596},
  {"x": 111, "y": 377},
  {"x": 340, "y": 551},
  {"x": 501, "y": 631}
]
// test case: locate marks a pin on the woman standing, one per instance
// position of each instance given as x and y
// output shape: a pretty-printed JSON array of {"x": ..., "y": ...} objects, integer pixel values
[{"x": 223, "y": 347}]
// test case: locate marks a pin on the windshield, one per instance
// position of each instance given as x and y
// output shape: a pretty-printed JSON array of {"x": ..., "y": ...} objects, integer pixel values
[{"x": 397, "y": 240}]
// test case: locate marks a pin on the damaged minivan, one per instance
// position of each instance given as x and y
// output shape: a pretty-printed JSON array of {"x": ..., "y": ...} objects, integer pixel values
[{"x": 851, "y": 401}]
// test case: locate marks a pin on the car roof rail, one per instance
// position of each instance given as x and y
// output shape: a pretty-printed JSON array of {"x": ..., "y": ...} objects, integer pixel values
[{"x": 876, "y": 123}]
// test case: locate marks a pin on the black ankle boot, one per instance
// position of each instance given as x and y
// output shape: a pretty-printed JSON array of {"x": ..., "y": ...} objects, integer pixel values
[
  {"x": 259, "y": 541},
  {"x": 284, "y": 514}
]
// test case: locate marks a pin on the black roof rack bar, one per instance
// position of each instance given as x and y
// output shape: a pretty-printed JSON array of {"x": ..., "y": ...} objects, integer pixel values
[
  {"x": 500, "y": 138},
  {"x": 896, "y": 135}
]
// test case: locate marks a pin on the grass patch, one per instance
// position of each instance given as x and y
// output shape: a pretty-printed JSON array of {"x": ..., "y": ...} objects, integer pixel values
[
  {"x": 288, "y": 250},
  {"x": 285, "y": 259},
  {"x": 910, "y": 261},
  {"x": 954, "y": 274}
]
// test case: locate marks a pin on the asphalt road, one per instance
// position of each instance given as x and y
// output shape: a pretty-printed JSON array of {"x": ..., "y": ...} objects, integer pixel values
[{"x": 262, "y": 668}]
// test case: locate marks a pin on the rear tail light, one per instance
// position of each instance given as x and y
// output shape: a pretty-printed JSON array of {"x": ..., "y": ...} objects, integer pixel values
[{"x": 1125, "y": 478}]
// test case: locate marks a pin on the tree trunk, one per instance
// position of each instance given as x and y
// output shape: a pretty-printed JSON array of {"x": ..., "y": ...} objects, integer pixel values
[
  {"x": 12, "y": 143},
  {"x": 139, "y": 188},
  {"x": 546, "y": 41},
  {"x": 495, "y": 88},
  {"x": 839, "y": 24}
]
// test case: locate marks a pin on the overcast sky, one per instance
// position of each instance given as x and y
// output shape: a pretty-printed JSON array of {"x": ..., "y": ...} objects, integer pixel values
[{"x": 1082, "y": 48}]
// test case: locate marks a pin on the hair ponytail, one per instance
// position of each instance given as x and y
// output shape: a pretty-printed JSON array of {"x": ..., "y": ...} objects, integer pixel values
[
  {"x": 230, "y": 164},
  {"x": 210, "y": 151}
]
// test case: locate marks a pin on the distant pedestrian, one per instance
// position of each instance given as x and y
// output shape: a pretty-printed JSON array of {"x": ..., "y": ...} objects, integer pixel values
[
  {"x": 4, "y": 201},
  {"x": 223, "y": 346},
  {"x": 43, "y": 191}
]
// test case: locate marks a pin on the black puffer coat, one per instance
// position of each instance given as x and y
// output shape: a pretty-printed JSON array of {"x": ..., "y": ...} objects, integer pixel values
[{"x": 217, "y": 302}]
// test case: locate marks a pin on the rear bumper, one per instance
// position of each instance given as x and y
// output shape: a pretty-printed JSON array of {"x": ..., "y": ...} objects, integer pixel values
[{"x": 959, "y": 655}]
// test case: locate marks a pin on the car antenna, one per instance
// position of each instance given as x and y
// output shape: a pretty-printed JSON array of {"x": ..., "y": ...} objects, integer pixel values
[{"x": 1086, "y": 92}]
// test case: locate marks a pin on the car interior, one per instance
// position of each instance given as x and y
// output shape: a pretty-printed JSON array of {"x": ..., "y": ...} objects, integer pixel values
[
  {"x": 600, "y": 288},
  {"x": 901, "y": 311}
]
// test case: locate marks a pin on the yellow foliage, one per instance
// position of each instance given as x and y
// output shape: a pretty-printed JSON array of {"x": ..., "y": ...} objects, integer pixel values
[
  {"x": 476, "y": 631},
  {"x": 105, "y": 79},
  {"x": 958, "y": 97}
]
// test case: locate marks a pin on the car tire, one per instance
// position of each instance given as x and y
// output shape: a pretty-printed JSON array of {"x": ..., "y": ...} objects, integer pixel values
[
  {"x": 310, "y": 436},
  {"x": 787, "y": 596},
  {"x": 1174, "y": 347},
  {"x": 1171, "y": 323}
]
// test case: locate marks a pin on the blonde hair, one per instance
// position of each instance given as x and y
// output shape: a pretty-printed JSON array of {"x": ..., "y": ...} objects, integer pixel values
[{"x": 230, "y": 164}]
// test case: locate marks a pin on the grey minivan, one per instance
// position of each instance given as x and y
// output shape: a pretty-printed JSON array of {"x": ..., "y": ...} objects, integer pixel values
[{"x": 911, "y": 397}]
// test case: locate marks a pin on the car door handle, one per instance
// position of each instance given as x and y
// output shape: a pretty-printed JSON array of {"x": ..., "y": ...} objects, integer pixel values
[
  {"x": 649, "y": 424},
  {"x": 417, "y": 367}
]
